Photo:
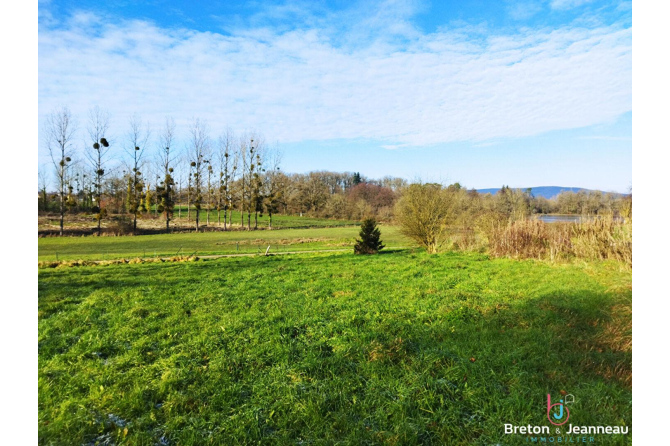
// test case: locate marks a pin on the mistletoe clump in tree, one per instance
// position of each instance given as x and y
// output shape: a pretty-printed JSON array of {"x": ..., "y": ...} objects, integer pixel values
[
  {"x": 370, "y": 234},
  {"x": 165, "y": 192},
  {"x": 100, "y": 212}
]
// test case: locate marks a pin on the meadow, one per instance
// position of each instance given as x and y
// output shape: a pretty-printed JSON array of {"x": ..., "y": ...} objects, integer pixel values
[
  {"x": 85, "y": 224},
  {"x": 329, "y": 348},
  {"x": 279, "y": 221},
  {"x": 208, "y": 243}
]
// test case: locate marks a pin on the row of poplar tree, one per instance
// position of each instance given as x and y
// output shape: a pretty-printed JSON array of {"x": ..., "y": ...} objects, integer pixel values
[{"x": 224, "y": 174}]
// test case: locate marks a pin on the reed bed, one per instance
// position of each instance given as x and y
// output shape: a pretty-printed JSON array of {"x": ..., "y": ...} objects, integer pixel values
[{"x": 602, "y": 238}]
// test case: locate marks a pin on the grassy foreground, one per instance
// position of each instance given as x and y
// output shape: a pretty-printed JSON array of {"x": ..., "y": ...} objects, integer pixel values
[
  {"x": 208, "y": 243},
  {"x": 399, "y": 348}
]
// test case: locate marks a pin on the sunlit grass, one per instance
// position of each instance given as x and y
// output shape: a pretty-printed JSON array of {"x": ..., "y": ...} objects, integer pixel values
[
  {"x": 208, "y": 243},
  {"x": 398, "y": 348}
]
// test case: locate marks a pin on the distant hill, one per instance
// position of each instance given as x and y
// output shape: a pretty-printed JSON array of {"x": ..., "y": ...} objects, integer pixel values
[{"x": 541, "y": 191}]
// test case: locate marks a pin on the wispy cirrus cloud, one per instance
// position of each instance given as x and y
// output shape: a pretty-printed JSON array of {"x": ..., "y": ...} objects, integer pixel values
[{"x": 403, "y": 88}]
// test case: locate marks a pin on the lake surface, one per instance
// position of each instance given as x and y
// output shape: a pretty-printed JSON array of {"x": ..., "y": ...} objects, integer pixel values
[
  {"x": 560, "y": 218},
  {"x": 570, "y": 218}
]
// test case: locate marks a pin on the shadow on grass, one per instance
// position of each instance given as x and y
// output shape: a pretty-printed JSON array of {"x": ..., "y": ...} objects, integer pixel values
[
  {"x": 338, "y": 348},
  {"x": 485, "y": 366}
]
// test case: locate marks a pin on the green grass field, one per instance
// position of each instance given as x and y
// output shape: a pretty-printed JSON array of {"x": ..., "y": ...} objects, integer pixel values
[
  {"x": 208, "y": 243},
  {"x": 150, "y": 220},
  {"x": 279, "y": 221},
  {"x": 312, "y": 349}
]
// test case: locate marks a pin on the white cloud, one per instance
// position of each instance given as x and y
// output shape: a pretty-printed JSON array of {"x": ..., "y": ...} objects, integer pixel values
[{"x": 297, "y": 85}]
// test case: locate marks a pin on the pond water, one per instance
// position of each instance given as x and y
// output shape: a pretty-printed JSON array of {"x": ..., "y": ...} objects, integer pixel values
[
  {"x": 559, "y": 218},
  {"x": 569, "y": 218}
]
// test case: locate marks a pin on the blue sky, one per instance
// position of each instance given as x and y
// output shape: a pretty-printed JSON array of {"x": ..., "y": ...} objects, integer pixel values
[{"x": 486, "y": 93}]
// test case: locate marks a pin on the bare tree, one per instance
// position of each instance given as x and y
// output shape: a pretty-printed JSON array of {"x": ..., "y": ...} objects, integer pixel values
[
  {"x": 257, "y": 183},
  {"x": 150, "y": 175},
  {"x": 184, "y": 172},
  {"x": 78, "y": 184},
  {"x": 188, "y": 190},
  {"x": 198, "y": 158},
  {"x": 274, "y": 186},
  {"x": 60, "y": 131},
  {"x": 242, "y": 154},
  {"x": 227, "y": 174},
  {"x": 251, "y": 184},
  {"x": 210, "y": 192},
  {"x": 43, "y": 181},
  {"x": 166, "y": 156},
  {"x": 98, "y": 125},
  {"x": 137, "y": 143}
]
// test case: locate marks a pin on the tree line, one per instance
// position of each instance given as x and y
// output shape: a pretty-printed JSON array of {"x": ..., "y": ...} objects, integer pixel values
[{"x": 208, "y": 176}]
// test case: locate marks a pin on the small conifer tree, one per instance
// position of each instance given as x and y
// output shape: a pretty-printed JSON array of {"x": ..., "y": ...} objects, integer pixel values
[{"x": 369, "y": 242}]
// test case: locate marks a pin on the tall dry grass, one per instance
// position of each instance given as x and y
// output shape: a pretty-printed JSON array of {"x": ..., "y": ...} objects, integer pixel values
[
  {"x": 593, "y": 239},
  {"x": 604, "y": 238}
]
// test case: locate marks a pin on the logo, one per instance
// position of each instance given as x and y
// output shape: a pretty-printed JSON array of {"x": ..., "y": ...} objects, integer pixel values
[{"x": 559, "y": 416}]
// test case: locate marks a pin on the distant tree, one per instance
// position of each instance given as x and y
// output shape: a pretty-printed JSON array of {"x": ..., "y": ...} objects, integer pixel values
[
  {"x": 337, "y": 206},
  {"x": 375, "y": 196},
  {"x": 241, "y": 155},
  {"x": 191, "y": 165},
  {"x": 250, "y": 165},
  {"x": 60, "y": 129},
  {"x": 198, "y": 155},
  {"x": 251, "y": 199},
  {"x": 210, "y": 189},
  {"x": 181, "y": 172},
  {"x": 313, "y": 192},
  {"x": 165, "y": 198},
  {"x": 257, "y": 197},
  {"x": 165, "y": 191},
  {"x": 515, "y": 203},
  {"x": 98, "y": 125},
  {"x": 148, "y": 199},
  {"x": 227, "y": 174},
  {"x": 370, "y": 242},
  {"x": 44, "y": 197},
  {"x": 357, "y": 178},
  {"x": 394, "y": 183},
  {"x": 274, "y": 186},
  {"x": 87, "y": 192},
  {"x": 137, "y": 141}
]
